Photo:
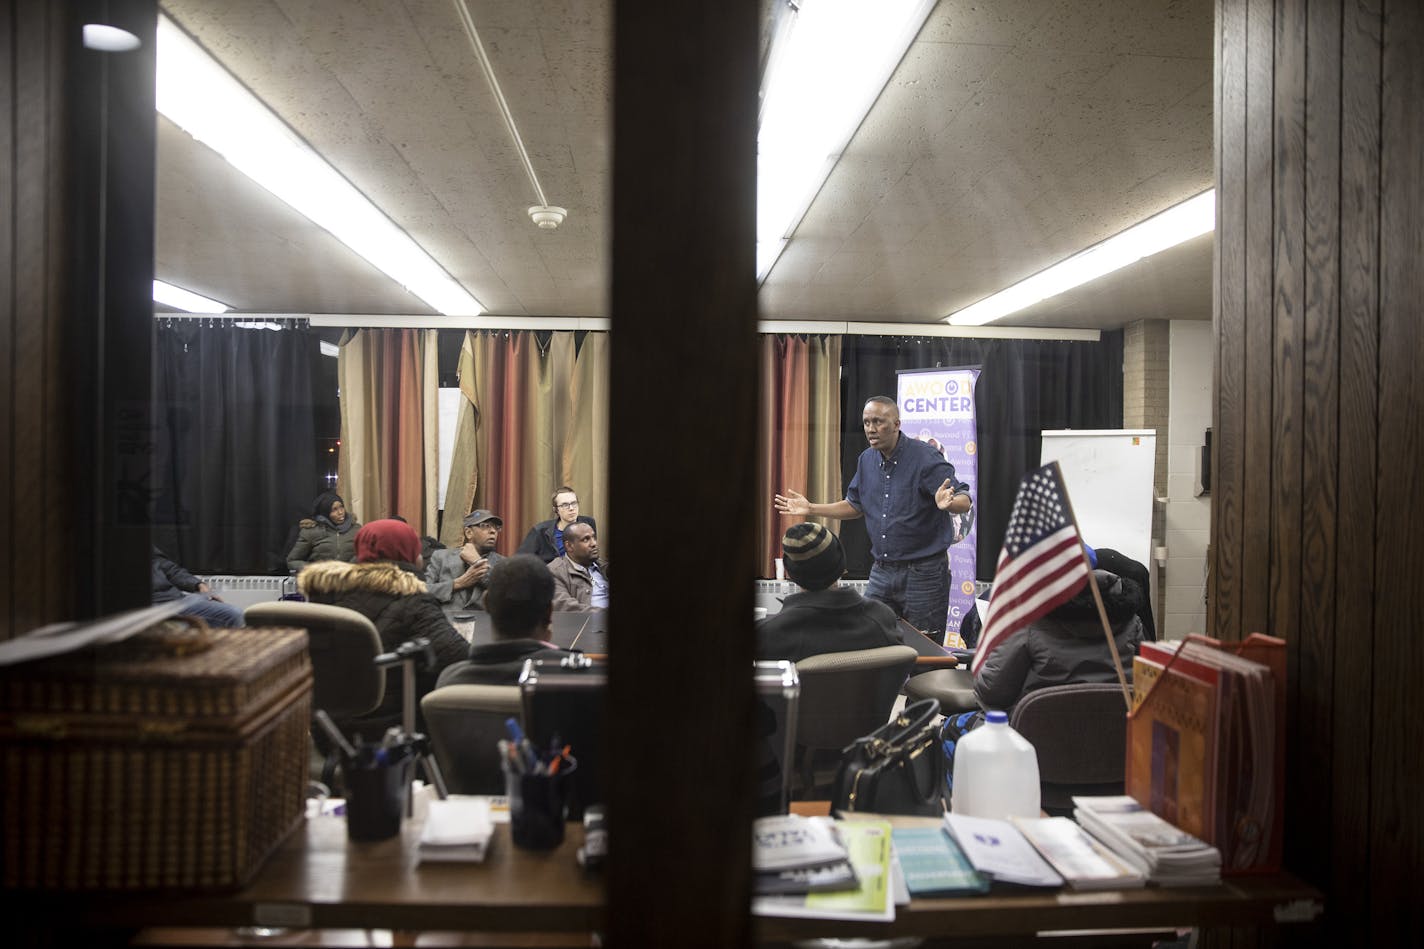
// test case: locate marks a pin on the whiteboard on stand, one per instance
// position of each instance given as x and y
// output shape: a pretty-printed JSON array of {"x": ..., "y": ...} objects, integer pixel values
[{"x": 1108, "y": 475}]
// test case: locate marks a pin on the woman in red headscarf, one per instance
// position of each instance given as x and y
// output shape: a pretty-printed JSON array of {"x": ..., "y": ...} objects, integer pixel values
[{"x": 385, "y": 585}]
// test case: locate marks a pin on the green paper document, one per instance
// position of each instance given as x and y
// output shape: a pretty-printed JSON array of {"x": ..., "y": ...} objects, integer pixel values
[{"x": 934, "y": 865}]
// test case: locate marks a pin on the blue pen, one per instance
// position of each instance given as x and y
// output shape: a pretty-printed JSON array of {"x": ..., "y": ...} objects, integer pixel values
[{"x": 515, "y": 731}]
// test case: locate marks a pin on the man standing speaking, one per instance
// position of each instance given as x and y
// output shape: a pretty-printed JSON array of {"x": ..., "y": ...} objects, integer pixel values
[{"x": 906, "y": 491}]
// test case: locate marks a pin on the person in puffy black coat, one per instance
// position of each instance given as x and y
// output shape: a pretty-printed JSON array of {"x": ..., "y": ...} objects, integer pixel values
[
  {"x": 385, "y": 586},
  {"x": 1066, "y": 646}
]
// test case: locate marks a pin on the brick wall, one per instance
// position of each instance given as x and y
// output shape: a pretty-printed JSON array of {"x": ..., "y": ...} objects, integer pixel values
[{"x": 1146, "y": 378}]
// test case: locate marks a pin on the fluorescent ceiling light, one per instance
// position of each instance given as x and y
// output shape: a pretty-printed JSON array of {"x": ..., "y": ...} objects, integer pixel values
[
  {"x": 836, "y": 57},
  {"x": 108, "y": 39},
  {"x": 181, "y": 299},
  {"x": 1182, "y": 222},
  {"x": 209, "y": 104}
]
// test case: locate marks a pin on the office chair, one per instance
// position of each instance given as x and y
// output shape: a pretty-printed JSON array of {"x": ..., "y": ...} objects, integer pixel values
[
  {"x": 343, "y": 646},
  {"x": 465, "y": 723},
  {"x": 1080, "y": 734},
  {"x": 954, "y": 688},
  {"x": 844, "y": 696}
]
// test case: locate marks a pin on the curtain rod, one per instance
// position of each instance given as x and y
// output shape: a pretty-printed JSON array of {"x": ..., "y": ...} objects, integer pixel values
[{"x": 602, "y": 324}]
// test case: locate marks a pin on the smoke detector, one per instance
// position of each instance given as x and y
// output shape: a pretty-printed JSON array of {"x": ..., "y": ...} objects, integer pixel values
[{"x": 546, "y": 216}]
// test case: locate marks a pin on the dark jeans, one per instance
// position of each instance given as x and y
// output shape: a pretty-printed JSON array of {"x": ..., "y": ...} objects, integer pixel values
[{"x": 917, "y": 590}]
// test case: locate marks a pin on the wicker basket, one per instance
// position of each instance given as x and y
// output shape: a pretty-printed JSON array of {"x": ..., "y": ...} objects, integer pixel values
[{"x": 160, "y": 762}]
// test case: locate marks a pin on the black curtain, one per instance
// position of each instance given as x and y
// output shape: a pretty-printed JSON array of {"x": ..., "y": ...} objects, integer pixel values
[
  {"x": 1025, "y": 386},
  {"x": 237, "y": 458}
]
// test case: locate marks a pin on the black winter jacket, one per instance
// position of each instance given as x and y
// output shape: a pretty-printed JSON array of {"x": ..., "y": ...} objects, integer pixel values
[
  {"x": 1065, "y": 646},
  {"x": 393, "y": 597}
]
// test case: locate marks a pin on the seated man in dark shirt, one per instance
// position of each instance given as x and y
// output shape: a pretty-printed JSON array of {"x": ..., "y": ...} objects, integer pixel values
[
  {"x": 519, "y": 598},
  {"x": 822, "y": 617},
  {"x": 172, "y": 582}
]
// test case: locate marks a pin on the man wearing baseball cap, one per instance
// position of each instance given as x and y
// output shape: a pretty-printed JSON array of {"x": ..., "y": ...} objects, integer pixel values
[
  {"x": 458, "y": 577},
  {"x": 822, "y": 617}
]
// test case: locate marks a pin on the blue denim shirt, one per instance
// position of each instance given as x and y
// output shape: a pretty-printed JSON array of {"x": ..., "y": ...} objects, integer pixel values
[{"x": 897, "y": 497}]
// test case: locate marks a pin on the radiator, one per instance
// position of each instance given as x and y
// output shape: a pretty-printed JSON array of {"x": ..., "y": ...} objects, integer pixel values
[{"x": 244, "y": 591}]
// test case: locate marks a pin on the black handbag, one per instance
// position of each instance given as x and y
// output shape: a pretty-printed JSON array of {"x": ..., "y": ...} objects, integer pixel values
[{"x": 896, "y": 769}]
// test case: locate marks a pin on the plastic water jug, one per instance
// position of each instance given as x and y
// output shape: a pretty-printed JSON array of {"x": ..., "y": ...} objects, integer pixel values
[{"x": 995, "y": 772}]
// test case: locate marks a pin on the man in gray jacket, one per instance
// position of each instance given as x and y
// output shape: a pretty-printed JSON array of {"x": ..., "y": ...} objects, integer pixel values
[{"x": 458, "y": 577}]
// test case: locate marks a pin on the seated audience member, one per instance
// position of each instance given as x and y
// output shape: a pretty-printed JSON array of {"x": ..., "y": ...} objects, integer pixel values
[
  {"x": 520, "y": 603},
  {"x": 171, "y": 582},
  {"x": 329, "y": 534},
  {"x": 1129, "y": 569},
  {"x": 580, "y": 581},
  {"x": 459, "y": 577},
  {"x": 822, "y": 617},
  {"x": 384, "y": 585},
  {"x": 545, "y": 539},
  {"x": 1065, "y": 647}
]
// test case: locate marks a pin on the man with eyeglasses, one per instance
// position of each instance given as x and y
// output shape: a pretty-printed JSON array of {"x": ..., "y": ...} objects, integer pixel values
[
  {"x": 906, "y": 492},
  {"x": 458, "y": 578},
  {"x": 545, "y": 539}
]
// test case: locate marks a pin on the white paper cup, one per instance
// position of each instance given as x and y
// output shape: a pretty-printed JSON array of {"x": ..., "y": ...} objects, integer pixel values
[{"x": 759, "y": 613}]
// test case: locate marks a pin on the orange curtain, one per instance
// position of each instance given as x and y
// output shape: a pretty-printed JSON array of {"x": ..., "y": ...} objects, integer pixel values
[
  {"x": 536, "y": 418},
  {"x": 799, "y": 444},
  {"x": 389, "y": 449}
]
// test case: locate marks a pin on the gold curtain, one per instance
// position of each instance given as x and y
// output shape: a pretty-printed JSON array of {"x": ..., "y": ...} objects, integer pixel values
[
  {"x": 389, "y": 459},
  {"x": 537, "y": 418},
  {"x": 585, "y": 454}
]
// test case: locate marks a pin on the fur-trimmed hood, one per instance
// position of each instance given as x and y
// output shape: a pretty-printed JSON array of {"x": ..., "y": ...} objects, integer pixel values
[{"x": 336, "y": 577}]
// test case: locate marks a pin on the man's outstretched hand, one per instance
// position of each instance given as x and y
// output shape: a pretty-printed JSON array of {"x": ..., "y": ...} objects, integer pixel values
[
  {"x": 945, "y": 495},
  {"x": 793, "y": 504}
]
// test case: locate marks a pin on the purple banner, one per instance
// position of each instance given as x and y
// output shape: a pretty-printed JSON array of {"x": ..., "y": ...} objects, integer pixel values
[{"x": 937, "y": 407}]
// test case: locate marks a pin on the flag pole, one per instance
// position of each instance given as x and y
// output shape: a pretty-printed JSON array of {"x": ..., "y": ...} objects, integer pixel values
[{"x": 1097, "y": 597}]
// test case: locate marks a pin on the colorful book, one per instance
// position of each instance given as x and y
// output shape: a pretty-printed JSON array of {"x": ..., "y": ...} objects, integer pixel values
[
  {"x": 1171, "y": 740},
  {"x": 933, "y": 864}
]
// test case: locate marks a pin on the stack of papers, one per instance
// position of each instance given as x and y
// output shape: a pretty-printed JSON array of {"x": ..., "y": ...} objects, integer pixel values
[
  {"x": 868, "y": 845},
  {"x": 794, "y": 854},
  {"x": 999, "y": 851},
  {"x": 1163, "y": 853},
  {"x": 1077, "y": 856},
  {"x": 456, "y": 829}
]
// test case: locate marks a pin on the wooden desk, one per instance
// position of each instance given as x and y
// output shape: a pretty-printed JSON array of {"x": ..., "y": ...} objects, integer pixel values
[{"x": 318, "y": 880}]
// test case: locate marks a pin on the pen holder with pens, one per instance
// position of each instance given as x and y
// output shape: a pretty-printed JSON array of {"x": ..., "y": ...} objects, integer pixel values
[
  {"x": 537, "y": 786},
  {"x": 538, "y": 805},
  {"x": 376, "y": 797}
]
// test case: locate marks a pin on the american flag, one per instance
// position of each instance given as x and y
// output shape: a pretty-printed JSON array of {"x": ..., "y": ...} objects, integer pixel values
[{"x": 1042, "y": 563}]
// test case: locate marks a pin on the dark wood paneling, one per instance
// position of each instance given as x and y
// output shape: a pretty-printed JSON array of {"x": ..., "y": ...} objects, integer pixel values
[
  {"x": 1352, "y": 750},
  {"x": 1396, "y": 820},
  {"x": 36, "y": 129},
  {"x": 1334, "y": 405},
  {"x": 1228, "y": 413},
  {"x": 681, "y": 697},
  {"x": 77, "y": 332},
  {"x": 8, "y": 99},
  {"x": 1310, "y": 716},
  {"x": 1254, "y": 587}
]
